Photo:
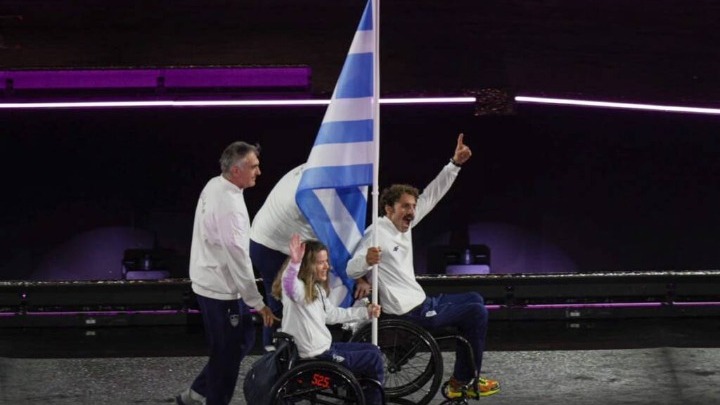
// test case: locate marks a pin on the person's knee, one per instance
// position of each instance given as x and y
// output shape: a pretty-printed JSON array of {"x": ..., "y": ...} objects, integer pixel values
[
  {"x": 479, "y": 312},
  {"x": 475, "y": 297}
]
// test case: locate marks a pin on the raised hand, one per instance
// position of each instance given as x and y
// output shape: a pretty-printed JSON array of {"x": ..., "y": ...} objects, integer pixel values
[
  {"x": 462, "y": 151},
  {"x": 297, "y": 249}
]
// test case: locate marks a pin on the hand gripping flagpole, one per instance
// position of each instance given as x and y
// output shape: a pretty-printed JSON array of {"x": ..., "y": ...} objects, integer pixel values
[{"x": 376, "y": 165}]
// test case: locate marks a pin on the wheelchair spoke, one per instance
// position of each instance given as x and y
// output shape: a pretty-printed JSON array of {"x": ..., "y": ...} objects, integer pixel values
[{"x": 412, "y": 359}]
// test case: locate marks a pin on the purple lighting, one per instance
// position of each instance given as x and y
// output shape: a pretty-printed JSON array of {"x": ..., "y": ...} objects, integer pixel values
[
  {"x": 290, "y": 77},
  {"x": 174, "y": 87},
  {"x": 213, "y": 77},
  {"x": 316, "y": 102},
  {"x": 624, "y": 106},
  {"x": 79, "y": 79},
  {"x": 696, "y": 304},
  {"x": 614, "y": 305},
  {"x": 112, "y": 313},
  {"x": 598, "y": 305},
  {"x": 654, "y": 304},
  {"x": 221, "y": 103}
]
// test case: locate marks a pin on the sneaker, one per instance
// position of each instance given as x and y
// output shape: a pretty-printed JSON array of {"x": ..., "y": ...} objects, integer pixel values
[
  {"x": 189, "y": 397},
  {"x": 485, "y": 387}
]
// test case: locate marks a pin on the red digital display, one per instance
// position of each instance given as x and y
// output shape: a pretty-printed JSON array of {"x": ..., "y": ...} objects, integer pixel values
[{"x": 319, "y": 380}]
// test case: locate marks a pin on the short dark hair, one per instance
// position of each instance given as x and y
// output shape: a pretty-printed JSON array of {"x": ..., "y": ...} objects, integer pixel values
[
  {"x": 236, "y": 152},
  {"x": 392, "y": 194}
]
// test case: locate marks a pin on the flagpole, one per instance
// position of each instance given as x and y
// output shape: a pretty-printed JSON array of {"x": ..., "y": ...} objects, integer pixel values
[{"x": 376, "y": 165}]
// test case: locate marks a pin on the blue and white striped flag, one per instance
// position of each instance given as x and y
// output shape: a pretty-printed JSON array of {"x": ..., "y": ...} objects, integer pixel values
[{"x": 333, "y": 189}]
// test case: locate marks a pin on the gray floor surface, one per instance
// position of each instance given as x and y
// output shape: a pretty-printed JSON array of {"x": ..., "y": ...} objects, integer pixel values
[{"x": 664, "y": 375}]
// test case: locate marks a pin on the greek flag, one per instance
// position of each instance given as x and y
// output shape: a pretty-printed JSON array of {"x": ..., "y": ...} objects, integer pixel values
[{"x": 333, "y": 189}]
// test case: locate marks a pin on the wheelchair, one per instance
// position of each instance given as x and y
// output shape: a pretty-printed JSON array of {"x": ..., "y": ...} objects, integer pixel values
[
  {"x": 413, "y": 360},
  {"x": 311, "y": 381}
]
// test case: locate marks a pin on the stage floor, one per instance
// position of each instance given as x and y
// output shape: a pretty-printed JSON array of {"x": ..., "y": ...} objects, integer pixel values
[
  {"x": 631, "y": 361},
  {"x": 657, "y": 376}
]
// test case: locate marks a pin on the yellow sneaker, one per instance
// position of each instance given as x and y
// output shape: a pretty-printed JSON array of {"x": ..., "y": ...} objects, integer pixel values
[
  {"x": 454, "y": 389},
  {"x": 486, "y": 386}
]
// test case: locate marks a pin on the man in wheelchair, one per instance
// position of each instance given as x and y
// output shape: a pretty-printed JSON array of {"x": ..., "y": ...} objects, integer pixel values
[
  {"x": 303, "y": 287},
  {"x": 399, "y": 292}
]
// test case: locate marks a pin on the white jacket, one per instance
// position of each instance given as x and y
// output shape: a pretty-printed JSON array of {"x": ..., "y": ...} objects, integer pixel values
[
  {"x": 220, "y": 265},
  {"x": 399, "y": 291},
  {"x": 306, "y": 321},
  {"x": 279, "y": 217}
]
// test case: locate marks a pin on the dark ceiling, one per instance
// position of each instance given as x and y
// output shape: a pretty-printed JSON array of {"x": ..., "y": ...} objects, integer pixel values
[
  {"x": 643, "y": 50},
  {"x": 606, "y": 189}
]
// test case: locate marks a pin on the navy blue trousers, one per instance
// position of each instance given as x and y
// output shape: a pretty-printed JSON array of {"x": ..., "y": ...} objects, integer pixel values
[
  {"x": 363, "y": 359},
  {"x": 268, "y": 262},
  {"x": 230, "y": 333},
  {"x": 467, "y": 313}
]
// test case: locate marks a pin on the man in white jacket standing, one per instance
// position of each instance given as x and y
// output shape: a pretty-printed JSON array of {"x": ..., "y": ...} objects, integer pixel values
[{"x": 222, "y": 275}]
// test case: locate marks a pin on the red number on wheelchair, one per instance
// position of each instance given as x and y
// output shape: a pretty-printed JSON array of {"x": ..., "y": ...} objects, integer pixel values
[{"x": 321, "y": 381}]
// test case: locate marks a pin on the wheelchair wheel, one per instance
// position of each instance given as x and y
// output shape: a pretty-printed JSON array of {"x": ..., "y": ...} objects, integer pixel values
[
  {"x": 317, "y": 382},
  {"x": 412, "y": 358}
]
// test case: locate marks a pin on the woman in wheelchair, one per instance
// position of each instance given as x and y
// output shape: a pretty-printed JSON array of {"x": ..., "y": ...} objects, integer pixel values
[{"x": 303, "y": 288}]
